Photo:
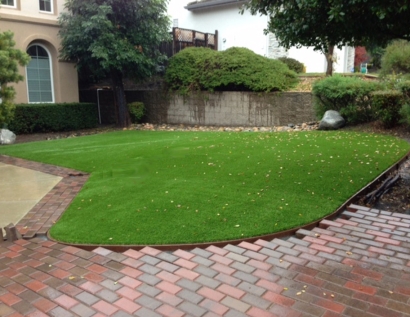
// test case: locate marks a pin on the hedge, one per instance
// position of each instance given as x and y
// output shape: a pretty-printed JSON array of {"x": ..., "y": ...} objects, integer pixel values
[
  {"x": 386, "y": 106},
  {"x": 351, "y": 96},
  {"x": 32, "y": 118}
]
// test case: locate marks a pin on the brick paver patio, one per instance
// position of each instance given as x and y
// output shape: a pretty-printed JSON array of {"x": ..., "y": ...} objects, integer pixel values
[{"x": 356, "y": 265}]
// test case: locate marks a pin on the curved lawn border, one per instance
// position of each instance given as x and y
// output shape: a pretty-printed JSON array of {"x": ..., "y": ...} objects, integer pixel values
[{"x": 267, "y": 237}]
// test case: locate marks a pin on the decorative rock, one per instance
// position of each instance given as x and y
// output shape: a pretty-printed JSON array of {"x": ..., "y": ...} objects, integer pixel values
[
  {"x": 7, "y": 137},
  {"x": 332, "y": 120}
]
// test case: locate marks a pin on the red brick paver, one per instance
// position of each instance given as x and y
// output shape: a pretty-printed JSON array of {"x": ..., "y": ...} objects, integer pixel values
[{"x": 347, "y": 275}]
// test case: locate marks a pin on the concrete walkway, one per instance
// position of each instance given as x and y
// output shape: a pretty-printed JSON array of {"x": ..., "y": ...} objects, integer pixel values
[
  {"x": 20, "y": 190},
  {"x": 356, "y": 265}
]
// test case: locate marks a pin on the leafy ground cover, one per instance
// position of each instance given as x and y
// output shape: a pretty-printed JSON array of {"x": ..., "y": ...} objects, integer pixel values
[{"x": 183, "y": 187}]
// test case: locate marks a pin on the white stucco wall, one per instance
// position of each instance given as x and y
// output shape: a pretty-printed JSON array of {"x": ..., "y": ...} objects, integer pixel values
[
  {"x": 237, "y": 30},
  {"x": 247, "y": 31},
  {"x": 314, "y": 61}
]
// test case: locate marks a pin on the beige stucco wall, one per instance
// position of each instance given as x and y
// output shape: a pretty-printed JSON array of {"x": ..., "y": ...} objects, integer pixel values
[{"x": 29, "y": 26}]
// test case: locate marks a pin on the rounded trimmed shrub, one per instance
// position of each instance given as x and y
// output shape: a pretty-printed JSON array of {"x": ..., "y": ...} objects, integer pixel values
[
  {"x": 236, "y": 69},
  {"x": 348, "y": 95},
  {"x": 293, "y": 64},
  {"x": 396, "y": 59}
]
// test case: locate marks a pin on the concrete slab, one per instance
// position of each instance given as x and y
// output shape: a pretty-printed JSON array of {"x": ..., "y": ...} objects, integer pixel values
[{"x": 20, "y": 190}]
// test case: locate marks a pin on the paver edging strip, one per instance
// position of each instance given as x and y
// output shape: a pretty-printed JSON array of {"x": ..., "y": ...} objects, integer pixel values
[{"x": 267, "y": 237}]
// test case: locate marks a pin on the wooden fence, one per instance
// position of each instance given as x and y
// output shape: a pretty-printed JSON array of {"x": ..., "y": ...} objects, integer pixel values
[{"x": 183, "y": 38}]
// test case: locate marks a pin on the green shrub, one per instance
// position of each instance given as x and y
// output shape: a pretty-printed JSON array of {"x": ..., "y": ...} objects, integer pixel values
[
  {"x": 405, "y": 114},
  {"x": 404, "y": 87},
  {"x": 396, "y": 59},
  {"x": 293, "y": 64},
  {"x": 236, "y": 69},
  {"x": 350, "y": 96},
  {"x": 386, "y": 105},
  {"x": 182, "y": 72},
  {"x": 136, "y": 110},
  {"x": 31, "y": 118}
]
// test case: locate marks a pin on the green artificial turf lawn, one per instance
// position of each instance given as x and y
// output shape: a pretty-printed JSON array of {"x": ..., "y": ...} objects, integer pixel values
[{"x": 184, "y": 187}]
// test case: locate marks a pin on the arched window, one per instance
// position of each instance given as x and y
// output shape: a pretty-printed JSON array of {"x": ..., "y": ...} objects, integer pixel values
[{"x": 39, "y": 79}]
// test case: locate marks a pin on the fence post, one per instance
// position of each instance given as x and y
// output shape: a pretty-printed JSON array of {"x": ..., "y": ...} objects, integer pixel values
[
  {"x": 206, "y": 40},
  {"x": 216, "y": 40}
]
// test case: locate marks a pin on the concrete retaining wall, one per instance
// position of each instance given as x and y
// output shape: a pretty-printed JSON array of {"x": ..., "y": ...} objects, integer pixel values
[
  {"x": 217, "y": 109},
  {"x": 229, "y": 108}
]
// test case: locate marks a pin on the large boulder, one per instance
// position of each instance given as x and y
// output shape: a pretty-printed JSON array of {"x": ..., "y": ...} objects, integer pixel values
[
  {"x": 332, "y": 120},
  {"x": 7, "y": 137}
]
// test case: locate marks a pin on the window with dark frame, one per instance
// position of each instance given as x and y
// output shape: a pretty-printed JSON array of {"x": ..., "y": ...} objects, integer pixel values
[
  {"x": 45, "y": 5},
  {"x": 8, "y": 3},
  {"x": 39, "y": 80}
]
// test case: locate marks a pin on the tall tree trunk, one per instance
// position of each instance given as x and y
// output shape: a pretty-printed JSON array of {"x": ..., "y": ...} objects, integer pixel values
[
  {"x": 329, "y": 59},
  {"x": 123, "y": 117}
]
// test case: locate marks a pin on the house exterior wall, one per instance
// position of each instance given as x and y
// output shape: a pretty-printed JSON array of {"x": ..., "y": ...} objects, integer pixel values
[
  {"x": 233, "y": 29},
  {"x": 247, "y": 31},
  {"x": 30, "y": 26}
]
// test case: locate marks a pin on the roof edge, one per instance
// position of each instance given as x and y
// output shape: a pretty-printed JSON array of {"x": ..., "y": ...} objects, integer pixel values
[{"x": 199, "y": 5}]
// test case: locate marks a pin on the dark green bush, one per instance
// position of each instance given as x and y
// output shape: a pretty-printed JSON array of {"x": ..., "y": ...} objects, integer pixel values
[
  {"x": 404, "y": 87},
  {"x": 136, "y": 110},
  {"x": 348, "y": 95},
  {"x": 386, "y": 105},
  {"x": 31, "y": 118},
  {"x": 405, "y": 114},
  {"x": 236, "y": 69},
  {"x": 293, "y": 64},
  {"x": 396, "y": 59}
]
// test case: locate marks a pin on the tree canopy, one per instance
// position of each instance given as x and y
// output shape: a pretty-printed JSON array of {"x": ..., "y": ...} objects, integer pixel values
[
  {"x": 10, "y": 59},
  {"x": 115, "y": 38},
  {"x": 324, "y": 24}
]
